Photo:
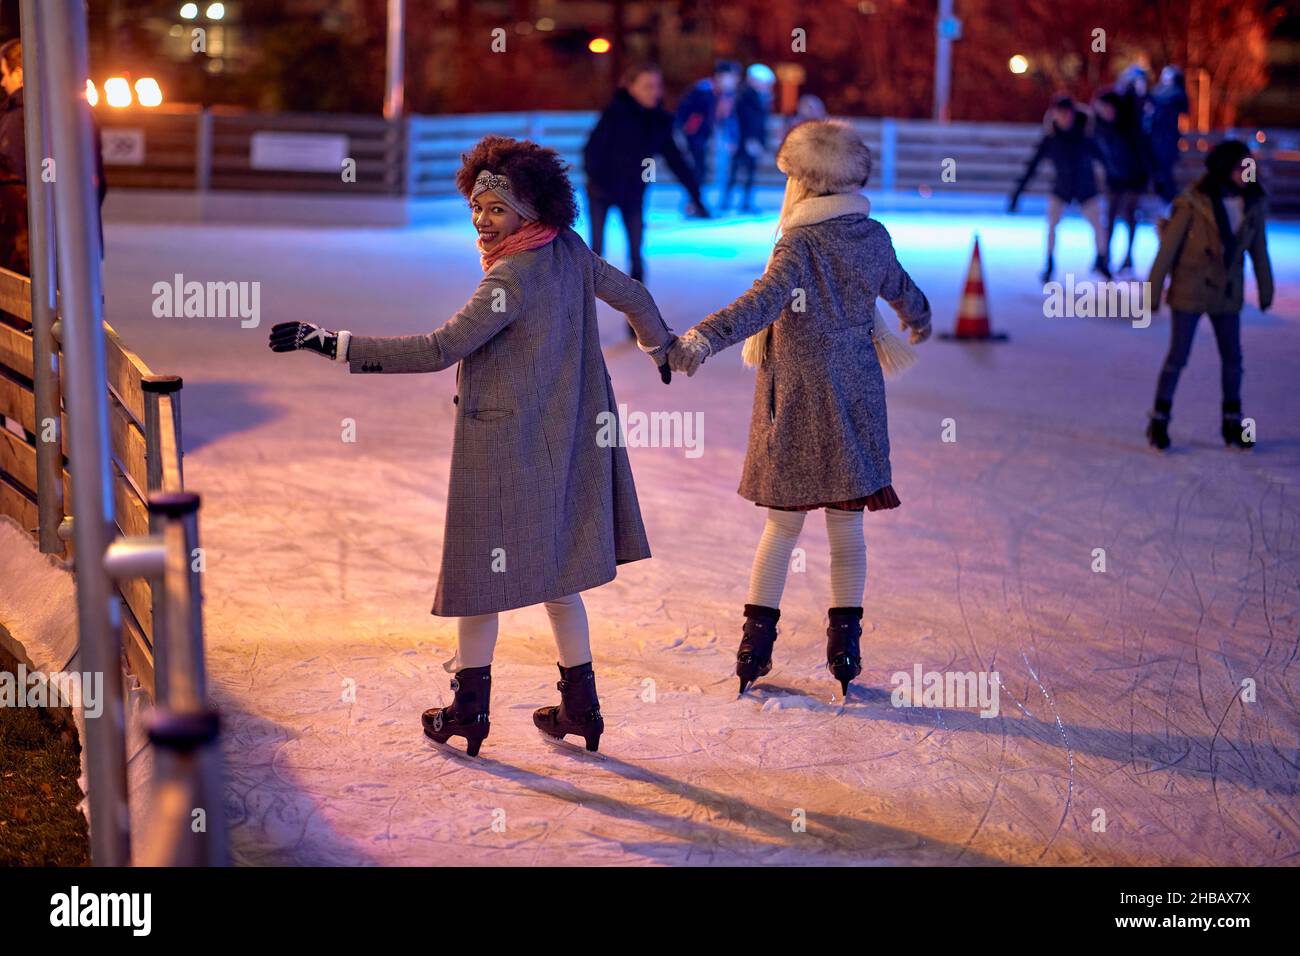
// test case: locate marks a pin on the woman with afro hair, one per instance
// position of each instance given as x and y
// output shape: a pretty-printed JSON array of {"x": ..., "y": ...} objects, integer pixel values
[{"x": 540, "y": 506}]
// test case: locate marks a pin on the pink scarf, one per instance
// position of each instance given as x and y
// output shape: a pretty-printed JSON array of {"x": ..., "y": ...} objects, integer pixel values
[{"x": 528, "y": 236}]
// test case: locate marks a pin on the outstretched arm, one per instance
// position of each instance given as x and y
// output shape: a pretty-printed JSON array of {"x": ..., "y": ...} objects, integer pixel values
[
  {"x": 1030, "y": 168},
  {"x": 761, "y": 305},
  {"x": 630, "y": 297},
  {"x": 752, "y": 312},
  {"x": 496, "y": 303}
]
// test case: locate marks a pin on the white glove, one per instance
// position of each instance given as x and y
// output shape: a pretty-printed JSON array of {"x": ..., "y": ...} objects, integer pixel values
[{"x": 689, "y": 352}]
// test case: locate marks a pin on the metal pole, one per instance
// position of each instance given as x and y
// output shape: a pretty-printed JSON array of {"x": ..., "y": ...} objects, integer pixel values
[
  {"x": 40, "y": 230},
  {"x": 394, "y": 89},
  {"x": 942, "y": 63},
  {"x": 63, "y": 32},
  {"x": 184, "y": 730}
]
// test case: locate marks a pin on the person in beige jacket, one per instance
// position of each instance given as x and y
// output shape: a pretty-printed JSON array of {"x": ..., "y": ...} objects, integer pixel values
[{"x": 1203, "y": 248}]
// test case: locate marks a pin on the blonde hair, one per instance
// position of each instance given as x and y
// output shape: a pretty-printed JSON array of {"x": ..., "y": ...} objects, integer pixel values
[
  {"x": 755, "y": 349},
  {"x": 895, "y": 357}
]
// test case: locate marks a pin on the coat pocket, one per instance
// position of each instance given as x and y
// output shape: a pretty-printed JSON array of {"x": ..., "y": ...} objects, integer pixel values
[{"x": 490, "y": 414}]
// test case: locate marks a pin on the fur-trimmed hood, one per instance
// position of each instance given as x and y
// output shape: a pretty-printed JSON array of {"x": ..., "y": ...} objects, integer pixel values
[{"x": 827, "y": 156}]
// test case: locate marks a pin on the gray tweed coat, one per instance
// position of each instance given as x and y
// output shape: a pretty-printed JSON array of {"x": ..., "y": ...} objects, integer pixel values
[
  {"x": 536, "y": 509},
  {"x": 819, "y": 431}
]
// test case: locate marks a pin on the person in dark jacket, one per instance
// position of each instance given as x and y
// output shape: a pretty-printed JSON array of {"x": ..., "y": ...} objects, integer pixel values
[
  {"x": 707, "y": 103},
  {"x": 1203, "y": 248},
  {"x": 1168, "y": 101},
  {"x": 753, "y": 104},
  {"x": 1071, "y": 151},
  {"x": 1117, "y": 129},
  {"x": 14, "y": 251},
  {"x": 633, "y": 129}
]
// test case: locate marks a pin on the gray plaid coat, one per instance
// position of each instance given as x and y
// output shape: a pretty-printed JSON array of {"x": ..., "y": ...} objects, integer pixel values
[
  {"x": 536, "y": 509},
  {"x": 819, "y": 431}
]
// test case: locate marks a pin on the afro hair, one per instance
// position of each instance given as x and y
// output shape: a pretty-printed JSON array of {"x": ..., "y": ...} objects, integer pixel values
[{"x": 536, "y": 174}]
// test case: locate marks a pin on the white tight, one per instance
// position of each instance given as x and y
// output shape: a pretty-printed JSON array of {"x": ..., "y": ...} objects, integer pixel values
[
  {"x": 477, "y": 635},
  {"x": 781, "y": 533}
]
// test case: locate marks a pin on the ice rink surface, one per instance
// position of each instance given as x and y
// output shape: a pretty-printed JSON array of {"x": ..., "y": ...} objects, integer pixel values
[{"x": 1122, "y": 735}]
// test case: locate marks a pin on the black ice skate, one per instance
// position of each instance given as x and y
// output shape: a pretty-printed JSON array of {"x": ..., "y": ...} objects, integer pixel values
[
  {"x": 843, "y": 655},
  {"x": 468, "y": 714},
  {"x": 1048, "y": 270},
  {"x": 579, "y": 710},
  {"x": 1233, "y": 435},
  {"x": 754, "y": 658},
  {"x": 1100, "y": 267},
  {"x": 1158, "y": 428}
]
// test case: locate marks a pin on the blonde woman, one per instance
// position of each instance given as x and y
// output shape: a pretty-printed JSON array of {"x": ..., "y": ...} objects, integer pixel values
[{"x": 819, "y": 436}]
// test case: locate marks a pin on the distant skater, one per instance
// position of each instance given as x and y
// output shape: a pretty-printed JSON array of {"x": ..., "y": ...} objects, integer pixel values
[
  {"x": 1071, "y": 151},
  {"x": 1203, "y": 248}
]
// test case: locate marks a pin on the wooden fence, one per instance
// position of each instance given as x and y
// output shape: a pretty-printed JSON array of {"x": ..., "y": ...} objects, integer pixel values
[{"x": 145, "y": 442}]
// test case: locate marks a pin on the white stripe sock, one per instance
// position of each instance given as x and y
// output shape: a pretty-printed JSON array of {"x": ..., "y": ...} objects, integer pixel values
[
  {"x": 772, "y": 560},
  {"x": 848, "y": 557}
]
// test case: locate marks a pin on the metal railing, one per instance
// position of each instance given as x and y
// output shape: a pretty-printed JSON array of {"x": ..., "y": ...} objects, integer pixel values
[{"x": 72, "y": 388}]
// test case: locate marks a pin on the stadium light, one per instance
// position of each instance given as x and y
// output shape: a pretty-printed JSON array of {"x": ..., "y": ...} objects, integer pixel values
[
  {"x": 117, "y": 92},
  {"x": 599, "y": 45},
  {"x": 189, "y": 11},
  {"x": 92, "y": 94},
  {"x": 216, "y": 11},
  {"x": 1018, "y": 64},
  {"x": 148, "y": 92}
]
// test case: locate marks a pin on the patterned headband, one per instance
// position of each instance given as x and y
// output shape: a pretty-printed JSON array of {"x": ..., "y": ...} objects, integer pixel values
[{"x": 501, "y": 186}]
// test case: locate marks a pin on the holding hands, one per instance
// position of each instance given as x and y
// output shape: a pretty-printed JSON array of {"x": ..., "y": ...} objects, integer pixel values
[{"x": 688, "y": 353}]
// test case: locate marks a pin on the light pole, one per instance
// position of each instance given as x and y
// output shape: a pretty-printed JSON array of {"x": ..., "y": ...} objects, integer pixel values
[
  {"x": 394, "y": 88},
  {"x": 946, "y": 29}
]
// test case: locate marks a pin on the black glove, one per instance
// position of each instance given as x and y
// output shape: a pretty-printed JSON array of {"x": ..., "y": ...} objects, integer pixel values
[
  {"x": 289, "y": 336},
  {"x": 666, "y": 374}
]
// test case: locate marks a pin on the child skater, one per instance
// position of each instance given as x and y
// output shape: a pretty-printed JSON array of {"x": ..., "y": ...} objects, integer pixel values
[
  {"x": 1203, "y": 247},
  {"x": 818, "y": 436},
  {"x": 537, "y": 511}
]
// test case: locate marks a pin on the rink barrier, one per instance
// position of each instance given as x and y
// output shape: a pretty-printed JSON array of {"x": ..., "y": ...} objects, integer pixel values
[
  {"x": 209, "y": 152},
  {"x": 145, "y": 455},
  {"x": 134, "y": 527}
]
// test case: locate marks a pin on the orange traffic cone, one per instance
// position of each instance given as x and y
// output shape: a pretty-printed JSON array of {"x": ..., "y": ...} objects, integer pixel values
[{"x": 973, "y": 313}]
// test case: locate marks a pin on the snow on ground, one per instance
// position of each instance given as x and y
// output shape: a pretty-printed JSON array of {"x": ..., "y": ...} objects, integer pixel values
[{"x": 1119, "y": 698}]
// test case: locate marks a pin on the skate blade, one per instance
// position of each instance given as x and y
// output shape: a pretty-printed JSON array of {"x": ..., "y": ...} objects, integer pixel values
[
  {"x": 454, "y": 752},
  {"x": 561, "y": 743}
]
